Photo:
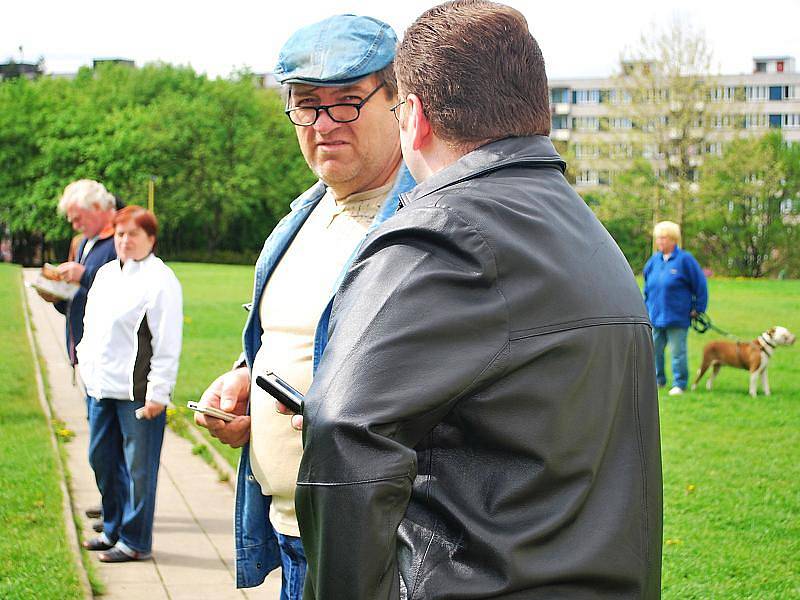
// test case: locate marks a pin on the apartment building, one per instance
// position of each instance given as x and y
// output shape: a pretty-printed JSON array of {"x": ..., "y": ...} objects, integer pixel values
[{"x": 605, "y": 132}]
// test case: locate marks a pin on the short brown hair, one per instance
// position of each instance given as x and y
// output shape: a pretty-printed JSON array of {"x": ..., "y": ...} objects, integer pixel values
[
  {"x": 478, "y": 71},
  {"x": 140, "y": 216}
]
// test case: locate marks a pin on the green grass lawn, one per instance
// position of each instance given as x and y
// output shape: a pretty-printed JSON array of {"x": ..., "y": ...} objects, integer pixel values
[
  {"x": 212, "y": 331},
  {"x": 35, "y": 561},
  {"x": 731, "y": 476}
]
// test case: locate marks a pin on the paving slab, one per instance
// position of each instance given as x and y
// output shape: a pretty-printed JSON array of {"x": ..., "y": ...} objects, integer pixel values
[{"x": 193, "y": 553}]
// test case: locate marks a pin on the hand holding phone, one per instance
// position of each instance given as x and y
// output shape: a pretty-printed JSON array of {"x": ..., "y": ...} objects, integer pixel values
[
  {"x": 281, "y": 391},
  {"x": 210, "y": 411}
]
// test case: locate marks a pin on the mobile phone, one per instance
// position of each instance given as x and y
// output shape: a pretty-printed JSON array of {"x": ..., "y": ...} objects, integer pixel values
[
  {"x": 211, "y": 411},
  {"x": 281, "y": 391}
]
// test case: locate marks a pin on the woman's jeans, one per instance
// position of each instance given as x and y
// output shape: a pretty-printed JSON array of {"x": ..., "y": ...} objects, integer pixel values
[
  {"x": 125, "y": 453},
  {"x": 676, "y": 338}
]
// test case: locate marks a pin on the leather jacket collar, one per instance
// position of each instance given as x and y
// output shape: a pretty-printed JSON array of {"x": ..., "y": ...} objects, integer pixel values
[{"x": 535, "y": 150}]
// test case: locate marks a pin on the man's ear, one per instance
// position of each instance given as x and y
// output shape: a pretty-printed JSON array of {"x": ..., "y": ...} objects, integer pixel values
[{"x": 418, "y": 123}]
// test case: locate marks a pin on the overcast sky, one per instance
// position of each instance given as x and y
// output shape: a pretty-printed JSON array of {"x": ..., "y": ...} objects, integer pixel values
[{"x": 577, "y": 38}]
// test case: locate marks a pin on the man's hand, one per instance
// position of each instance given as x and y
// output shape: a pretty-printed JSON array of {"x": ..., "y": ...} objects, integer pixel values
[
  {"x": 151, "y": 409},
  {"x": 297, "y": 420},
  {"x": 71, "y": 271},
  {"x": 228, "y": 392}
]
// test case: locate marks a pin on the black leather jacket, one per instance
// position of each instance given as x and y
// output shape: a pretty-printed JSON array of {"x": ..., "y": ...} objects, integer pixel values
[{"x": 484, "y": 421}]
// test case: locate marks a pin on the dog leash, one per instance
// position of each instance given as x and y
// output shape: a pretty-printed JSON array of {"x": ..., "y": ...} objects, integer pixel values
[{"x": 702, "y": 323}]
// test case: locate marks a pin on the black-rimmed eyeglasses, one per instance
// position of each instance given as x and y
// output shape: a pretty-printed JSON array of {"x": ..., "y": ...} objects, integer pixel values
[
  {"x": 345, "y": 112},
  {"x": 394, "y": 109}
]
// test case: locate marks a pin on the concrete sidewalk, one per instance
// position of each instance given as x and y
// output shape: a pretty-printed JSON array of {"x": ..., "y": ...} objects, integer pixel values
[{"x": 193, "y": 531}]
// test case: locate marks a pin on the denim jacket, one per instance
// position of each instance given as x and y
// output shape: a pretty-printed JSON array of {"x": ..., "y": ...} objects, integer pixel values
[{"x": 256, "y": 544}]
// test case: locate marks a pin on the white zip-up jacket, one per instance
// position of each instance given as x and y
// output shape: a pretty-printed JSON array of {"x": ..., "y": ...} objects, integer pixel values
[{"x": 132, "y": 332}]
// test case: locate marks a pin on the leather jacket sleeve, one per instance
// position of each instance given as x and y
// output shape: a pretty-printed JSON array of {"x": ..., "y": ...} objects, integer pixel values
[{"x": 418, "y": 323}]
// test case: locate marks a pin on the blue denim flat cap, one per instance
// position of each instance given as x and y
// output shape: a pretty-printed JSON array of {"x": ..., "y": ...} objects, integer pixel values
[{"x": 337, "y": 51}]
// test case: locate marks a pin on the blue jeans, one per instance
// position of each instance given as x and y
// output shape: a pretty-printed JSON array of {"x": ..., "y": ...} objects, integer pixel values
[
  {"x": 293, "y": 563},
  {"x": 676, "y": 338},
  {"x": 125, "y": 453}
]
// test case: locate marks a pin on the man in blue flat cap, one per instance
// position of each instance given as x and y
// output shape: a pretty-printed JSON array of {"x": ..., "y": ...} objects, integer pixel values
[{"x": 339, "y": 84}]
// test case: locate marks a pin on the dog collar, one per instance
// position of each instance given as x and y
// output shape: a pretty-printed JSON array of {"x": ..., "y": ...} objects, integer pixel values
[{"x": 766, "y": 347}]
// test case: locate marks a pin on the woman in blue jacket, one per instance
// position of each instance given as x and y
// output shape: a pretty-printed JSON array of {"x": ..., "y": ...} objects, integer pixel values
[{"x": 674, "y": 291}]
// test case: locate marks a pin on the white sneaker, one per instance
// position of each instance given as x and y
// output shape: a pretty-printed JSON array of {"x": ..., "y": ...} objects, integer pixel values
[{"x": 676, "y": 391}]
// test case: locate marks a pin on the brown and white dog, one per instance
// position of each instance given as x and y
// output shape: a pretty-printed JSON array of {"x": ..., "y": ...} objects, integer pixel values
[{"x": 753, "y": 356}]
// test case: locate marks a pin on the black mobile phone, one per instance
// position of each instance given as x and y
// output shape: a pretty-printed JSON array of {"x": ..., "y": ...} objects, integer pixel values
[{"x": 281, "y": 391}]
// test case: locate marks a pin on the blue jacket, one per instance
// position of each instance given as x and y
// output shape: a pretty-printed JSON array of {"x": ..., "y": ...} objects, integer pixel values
[
  {"x": 257, "y": 550},
  {"x": 102, "y": 252},
  {"x": 673, "y": 288}
]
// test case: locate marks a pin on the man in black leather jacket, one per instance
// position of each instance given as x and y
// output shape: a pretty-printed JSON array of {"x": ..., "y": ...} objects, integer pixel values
[{"x": 484, "y": 421}]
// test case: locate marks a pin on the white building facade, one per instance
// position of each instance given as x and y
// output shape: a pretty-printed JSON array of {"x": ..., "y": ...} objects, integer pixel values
[{"x": 595, "y": 118}]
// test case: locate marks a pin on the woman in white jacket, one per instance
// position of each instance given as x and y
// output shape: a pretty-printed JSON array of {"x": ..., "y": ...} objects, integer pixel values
[{"x": 129, "y": 362}]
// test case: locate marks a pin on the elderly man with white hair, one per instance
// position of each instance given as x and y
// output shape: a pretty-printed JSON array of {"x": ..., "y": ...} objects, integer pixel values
[{"x": 89, "y": 208}]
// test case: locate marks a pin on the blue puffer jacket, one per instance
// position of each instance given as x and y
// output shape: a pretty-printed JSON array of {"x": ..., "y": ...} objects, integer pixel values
[{"x": 673, "y": 288}]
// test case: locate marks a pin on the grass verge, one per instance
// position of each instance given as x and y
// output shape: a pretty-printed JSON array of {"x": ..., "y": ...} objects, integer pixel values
[
  {"x": 35, "y": 559},
  {"x": 63, "y": 436}
]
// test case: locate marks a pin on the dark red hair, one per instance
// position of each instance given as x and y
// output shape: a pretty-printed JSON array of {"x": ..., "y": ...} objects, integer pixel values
[{"x": 140, "y": 216}]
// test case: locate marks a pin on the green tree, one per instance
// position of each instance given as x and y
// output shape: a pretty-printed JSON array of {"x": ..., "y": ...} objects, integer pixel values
[
  {"x": 748, "y": 224},
  {"x": 627, "y": 210},
  {"x": 224, "y": 156},
  {"x": 665, "y": 84}
]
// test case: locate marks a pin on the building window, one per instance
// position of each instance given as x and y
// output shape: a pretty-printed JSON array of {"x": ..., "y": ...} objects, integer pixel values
[
  {"x": 775, "y": 92},
  {"x": 616, "y": 96},
  {"x": 621, "y": 150},
  {"x": 584, "y": 151},
  {"x": 723, "y": 94},
  {"x": 756, "y": 93},
  {"x": 586, "y": 96},
  {"x": 791, "y": 121},
  {"x": 559, "y": 96},
  {"x": 586, "y": 177},
  {"x": 775, "y": 121},
  {"x": 721, "y": 121},
  {"x": 620, "y": 123},
  {"x": 761, "y": 67},
  {"x": 560, "y": 122},
  {"x": 585, "y": 123},
  {"x": 656, "y": 95},
  {"x": 653, "y": 124},
  {"x": 651, "y": 151},
  {"x": 755, "y": 121}
]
